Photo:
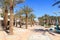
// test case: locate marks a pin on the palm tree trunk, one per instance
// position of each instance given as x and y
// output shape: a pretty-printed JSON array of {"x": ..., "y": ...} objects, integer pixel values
[
  {"x": 20, "y": 22},
  {"x": 11, "y": 17},
  {"x": 31, "y": 22},
  {"x": 15, "y": 22},
  {"x": 0, "y": 26},
  {"x": 26, "y": 21},
  {"x": 5, "y": 18}
]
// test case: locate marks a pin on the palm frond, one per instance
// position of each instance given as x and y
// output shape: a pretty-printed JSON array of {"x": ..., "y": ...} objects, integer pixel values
[
  {"x": 56, "y": 3},
  {"x": 18, "y": 1},
  {"x": 27, "y": 9}
]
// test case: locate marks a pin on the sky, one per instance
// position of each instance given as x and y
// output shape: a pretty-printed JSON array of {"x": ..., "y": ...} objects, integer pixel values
[{"x": 40, "y": 7}]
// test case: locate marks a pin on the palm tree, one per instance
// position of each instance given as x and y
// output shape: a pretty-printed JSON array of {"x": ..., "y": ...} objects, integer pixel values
[
  {"x": 15, "y": 18},
  {"x": 32, "y": 16},
  {"x": 27, "y": 11},
  {"x": 23, "y": 19},
  {"x": 11, "y": 17},
  {"x": 4, "y": 4},
  {"x": 5, "y": 14},
  {"x": 12, "y": 3},
  {"x": 20, "y": 13},
  {"x": 41, "y": 20}
]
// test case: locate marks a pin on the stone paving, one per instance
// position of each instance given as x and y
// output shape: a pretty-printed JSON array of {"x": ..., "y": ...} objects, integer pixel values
[
  {"x": 29, "y": 34},
  {"x": 39, "y": 37}
]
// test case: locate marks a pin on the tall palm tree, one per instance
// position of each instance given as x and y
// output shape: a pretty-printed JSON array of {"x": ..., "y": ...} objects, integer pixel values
[
  {"x": 5, "y": 14},
  {"x": 41, "y": 20},
  {"x": 11, "y": 17},
  {"x": 16, "y": 17},
  {"x": 4, "y": 4},
  {"x": 32, "y": 16},
  {"x": 12, "y": 4},
  {"x": 27, "y": 11},
  {"x": 20, "y": 13},
  {"x": 23, "y": 19}
]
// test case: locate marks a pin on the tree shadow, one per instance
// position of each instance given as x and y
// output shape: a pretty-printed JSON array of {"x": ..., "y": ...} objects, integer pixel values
[
  {"x": 6, "y": 30},
  {"x": 43, "y": 31},
  {"x": 52, "y": 33}
]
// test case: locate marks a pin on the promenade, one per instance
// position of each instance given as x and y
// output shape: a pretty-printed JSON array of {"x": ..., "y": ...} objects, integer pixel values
[{"x": 32, "y": 33}]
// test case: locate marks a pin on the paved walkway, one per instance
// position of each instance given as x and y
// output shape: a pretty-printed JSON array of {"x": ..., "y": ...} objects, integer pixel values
[
  {"x": 38, "y": 34},
  {"x": 32, "y": 33},
  {"x": 39, "y": 37},
  {"x": 39, "y": 31}
]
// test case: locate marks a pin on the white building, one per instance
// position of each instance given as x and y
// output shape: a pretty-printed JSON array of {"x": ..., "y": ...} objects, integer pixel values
[{"x": 1, "y": 17}]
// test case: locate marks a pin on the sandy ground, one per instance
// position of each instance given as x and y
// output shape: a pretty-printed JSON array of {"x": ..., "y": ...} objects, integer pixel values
[{"x": 27, "y": 34}]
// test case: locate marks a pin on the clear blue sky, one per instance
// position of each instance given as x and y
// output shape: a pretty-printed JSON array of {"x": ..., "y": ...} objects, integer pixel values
[{"x": 40, "y": 7}]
